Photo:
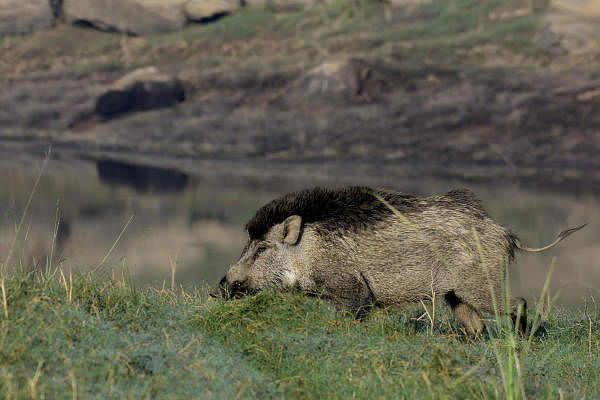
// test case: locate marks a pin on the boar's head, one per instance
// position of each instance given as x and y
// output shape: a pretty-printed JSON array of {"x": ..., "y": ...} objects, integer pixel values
[{"x": 268, "y": 262}]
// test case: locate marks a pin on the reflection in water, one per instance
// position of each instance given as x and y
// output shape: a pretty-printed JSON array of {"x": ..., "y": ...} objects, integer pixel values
[
  {"x": 200, "y": 224},
  {"x": 142, "y": 178}
]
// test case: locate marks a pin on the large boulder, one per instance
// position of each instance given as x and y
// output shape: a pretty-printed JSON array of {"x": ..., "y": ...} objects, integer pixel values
[
  {"x": 342, "y": 81},
  {"x": 570, "y": 26},
  {"x": 142, "y": 89},
  {"x": 135, "y": 17},
  {"x": 339, "y": 80},
  {"x": 20, "y": 17},
  {"x": 200, "y": 10}
]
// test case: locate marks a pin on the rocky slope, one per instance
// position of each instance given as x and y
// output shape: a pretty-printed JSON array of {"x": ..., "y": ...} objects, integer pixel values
[{"x": 506, "y": 90}]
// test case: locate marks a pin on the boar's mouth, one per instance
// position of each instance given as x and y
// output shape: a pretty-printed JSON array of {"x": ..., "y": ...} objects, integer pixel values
[{"x": 228, "y": 291}]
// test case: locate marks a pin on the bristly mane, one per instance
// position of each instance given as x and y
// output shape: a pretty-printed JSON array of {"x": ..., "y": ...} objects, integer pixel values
[
  {"x": 351, "y": 208},
  {"x": 464, "y": 200}
]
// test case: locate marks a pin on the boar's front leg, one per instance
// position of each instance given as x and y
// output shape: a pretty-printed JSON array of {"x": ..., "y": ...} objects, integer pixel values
[
  {"x": 351, "y": 292},
  {"x": 365, "y": 298},
  {"x": 465, "y": 314}
]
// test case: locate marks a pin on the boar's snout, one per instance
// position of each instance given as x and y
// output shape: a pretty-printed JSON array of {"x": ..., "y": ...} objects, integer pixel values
[
  {"x": 228, "y": 290},
  {"x": 219, "y": 291}
]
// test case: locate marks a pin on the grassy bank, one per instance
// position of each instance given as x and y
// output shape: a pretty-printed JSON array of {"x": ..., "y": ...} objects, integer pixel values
[
  {"x": 450, "y": 34},
  {"x": 89, "y": 337}
]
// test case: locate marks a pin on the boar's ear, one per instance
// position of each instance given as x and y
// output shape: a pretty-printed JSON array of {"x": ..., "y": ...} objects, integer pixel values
[{"x": 291, "y": 229}]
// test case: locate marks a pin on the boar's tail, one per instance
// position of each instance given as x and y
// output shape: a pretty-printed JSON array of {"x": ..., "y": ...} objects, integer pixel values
[{"x": 558, "y": 239}]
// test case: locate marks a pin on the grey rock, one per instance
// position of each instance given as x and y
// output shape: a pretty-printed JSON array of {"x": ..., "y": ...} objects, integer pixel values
[
  {"x": 142, "y": 89},
  {"x": 330, "y": 80},
  {"x": 198, "y": 10},
  {"x": 136, "y": 17},
  {"x": 570, "y": 26},
  {"x": 21, "y": 17}
]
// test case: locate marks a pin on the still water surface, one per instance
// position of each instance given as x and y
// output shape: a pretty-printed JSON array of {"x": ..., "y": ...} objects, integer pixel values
[{"x": 197, "y": 223}]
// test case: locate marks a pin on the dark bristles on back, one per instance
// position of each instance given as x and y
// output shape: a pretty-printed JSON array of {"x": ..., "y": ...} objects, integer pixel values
[
  {"x": 351, "y": 208},
  {"x": 466, "y": 201}
]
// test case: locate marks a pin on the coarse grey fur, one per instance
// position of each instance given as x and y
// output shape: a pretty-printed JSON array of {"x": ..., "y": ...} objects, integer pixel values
[{"x": 359, "y": 247}]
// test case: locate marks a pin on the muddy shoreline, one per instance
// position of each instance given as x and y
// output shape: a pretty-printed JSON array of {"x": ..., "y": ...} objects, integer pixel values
[{"x": 531, "y": 129}]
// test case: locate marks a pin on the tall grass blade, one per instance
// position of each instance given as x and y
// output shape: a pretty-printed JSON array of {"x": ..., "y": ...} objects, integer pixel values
[
  {"x": 114, "y": 245},
  {"x": 537, "y": 319},
  {"x": 19, "y": 226},
  {"x": 54, "y": 236}
]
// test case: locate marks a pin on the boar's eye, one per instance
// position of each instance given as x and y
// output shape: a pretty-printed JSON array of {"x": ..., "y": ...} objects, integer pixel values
[{"x": 259, "y": 250}]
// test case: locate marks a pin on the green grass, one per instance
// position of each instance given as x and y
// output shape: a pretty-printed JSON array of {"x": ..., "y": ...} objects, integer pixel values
[
  {"x": 237, "y": 26},
  {"x": 453, "y": 27},
  {"x": 90, "y": 336},
  {"x": 83, "y": 336}
]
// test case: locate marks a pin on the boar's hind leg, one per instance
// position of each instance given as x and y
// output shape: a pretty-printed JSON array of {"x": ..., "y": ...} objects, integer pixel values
[
  {"x": 466, "y": 314},
  {"x": 515, "y": 304}
]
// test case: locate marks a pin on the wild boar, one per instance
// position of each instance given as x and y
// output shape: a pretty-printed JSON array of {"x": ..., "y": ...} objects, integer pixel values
[{"x": 361, "y": 247}]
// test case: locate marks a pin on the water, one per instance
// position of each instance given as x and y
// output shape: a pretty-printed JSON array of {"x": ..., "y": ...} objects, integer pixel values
[{"x": 196, "y": 221}]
